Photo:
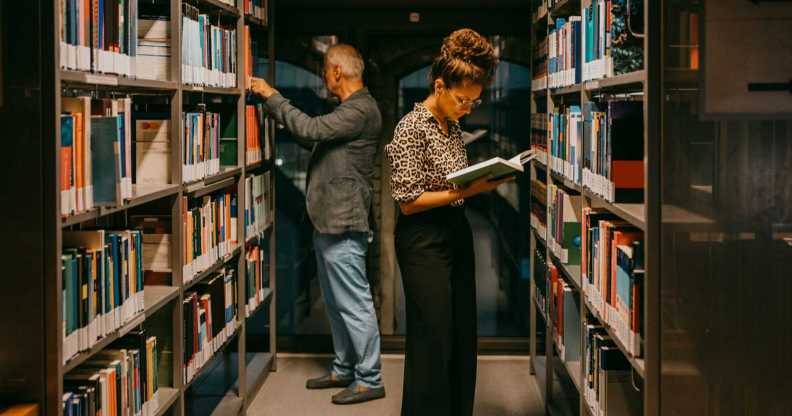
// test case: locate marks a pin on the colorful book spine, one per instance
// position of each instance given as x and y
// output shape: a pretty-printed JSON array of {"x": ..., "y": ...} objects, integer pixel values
[
  {"x": 613, "y": 150},
  {"x": 210, "y": 230},
  {"x": 102, "y": 280},
  {"x": 208, "y": 50},
  {"x": 258, "y": 207},
  {"x": 564, "y": 61},
  {"x": 257, "y": 259},
  {"x": 257, "y": 128},
  {"x": 613, "y": 275},
  {"x": 119, "y": 380},
  {"x": 565, "y": 128},
  {"x": 209, "y": 320},
  {"x": 99, "y": 36},
  {"x": 200, "y": 145}
]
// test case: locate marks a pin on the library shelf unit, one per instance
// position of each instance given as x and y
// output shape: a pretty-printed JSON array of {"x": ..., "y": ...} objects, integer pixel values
[
  {"x": 163, "y": 300},
  {"x": 562, "y": 382}
]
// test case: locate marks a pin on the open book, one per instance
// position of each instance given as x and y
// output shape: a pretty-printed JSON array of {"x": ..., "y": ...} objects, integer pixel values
[{"x": 495, "y": 167}]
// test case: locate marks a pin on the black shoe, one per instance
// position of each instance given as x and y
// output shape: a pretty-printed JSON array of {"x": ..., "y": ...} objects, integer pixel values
[
  {"x": 327, "y": 381},
  {"x": 358, "y": 394}
]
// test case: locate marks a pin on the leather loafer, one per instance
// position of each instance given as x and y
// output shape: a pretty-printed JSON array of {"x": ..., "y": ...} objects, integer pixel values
[
  {"x": 358, "y": 394},
  {"x": 327, "y": 381}
]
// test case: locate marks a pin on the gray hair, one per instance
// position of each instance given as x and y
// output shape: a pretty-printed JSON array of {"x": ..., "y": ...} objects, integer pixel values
[{"x": 348, "y": 58}]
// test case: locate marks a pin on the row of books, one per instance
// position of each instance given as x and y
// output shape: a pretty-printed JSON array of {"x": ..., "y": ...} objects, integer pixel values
[
  {"x": 564, "y": 225},
  {"x": 99, "y": 35},
  {"x": 539, "y": 63},
  {"x": 539, "y": 207},
  {"x": 539, "y": 136},
  {"x": 102, "y": 278},
  {"x": 256, "y": 8},
  {"x": 210, "y": 230},
  {"x": 609, "y": 45},
  {"x": 565, "y": 127},
  {"x": 613, "y": 150},
  {"x": 256, "y": 278},
  {"x": 564, "y": 63},
  {"x": 565, "y": 316},
  {"x": 258, "y": 207},
  {"x": 121, "y": 380},
  {"x": 608, "y": 388},
  {"x": 256, "y": 134},
  {"x": 208, "y": 51},
  {"x": 210, "y": 319},
  {"x": 96, "y": 153},
  {"x": 613, "y": 275},
  {"x": 201, "y": 145},
  {"x": 541, "y": 269}
]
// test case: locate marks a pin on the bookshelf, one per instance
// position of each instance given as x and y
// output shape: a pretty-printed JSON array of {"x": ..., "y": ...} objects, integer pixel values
[
  {"x": 562, "y": 373},
  {"x": 163, "y": 313}
]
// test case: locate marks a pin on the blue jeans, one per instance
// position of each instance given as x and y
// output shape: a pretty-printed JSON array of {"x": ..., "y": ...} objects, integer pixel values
[{"x": 341, "y": 265}]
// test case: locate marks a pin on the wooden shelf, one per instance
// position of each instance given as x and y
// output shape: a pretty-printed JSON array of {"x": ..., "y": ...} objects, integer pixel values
[
  {"x": 633, "y": 79},
  {"x": 209, "y": 185},
  {"x": 264, "y": 165},
  {"x": 158, "y": 296},
  {"x": 637, "y": 363},
  {"x": 255, "y": 21},
  {"x": 167, "y": 396},
  {"x": 264, "y": 300},
  {"x": 206, "y": 365},
  {"x": 103, "y": 343},
  {"x": 632, "y": 213},
  {"x": 215, "y": 267},
  {"x": 210, "y": 90},
  {"x": 227, "y": 9},
  {"x": 111, "y": 80},
  {"x": 572, "y": 272},
  {"x": 572, "y": 367},
  {"x": 572, "y": 89},
  {"x": 259, "y": 234},
  {"x": 559, "y": 179},
  {"x": 565, "y": 7},
  {"x": 141, "y": 194}
]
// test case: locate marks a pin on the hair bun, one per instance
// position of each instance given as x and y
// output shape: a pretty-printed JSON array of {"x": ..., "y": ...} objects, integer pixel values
[{"x": 469, "y": 46}]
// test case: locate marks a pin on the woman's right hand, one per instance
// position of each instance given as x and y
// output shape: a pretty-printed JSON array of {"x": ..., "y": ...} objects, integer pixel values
[{"x": 484, "y": 184}]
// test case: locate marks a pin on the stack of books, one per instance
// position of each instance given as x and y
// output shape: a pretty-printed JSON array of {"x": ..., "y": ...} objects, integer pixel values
[
  {"x": 257, "y": 278},
  {"x": 564, "y": 225},
  {"x": 258, "y": 208},
  {"x": 209, "y": 55},
  {"x": 609, "y": 47},
  {"x": 210, "y": 230},
  {"x": 608, "y": 386},
  {"x": 566, "y": 142},
  {"x": 564, "y": 64},
  {"x": 201, "y": 145},
  {"x": 153, "y": 48}
]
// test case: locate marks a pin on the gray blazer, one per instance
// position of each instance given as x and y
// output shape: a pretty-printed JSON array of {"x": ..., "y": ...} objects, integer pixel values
[{"x": 344, "y": 145}]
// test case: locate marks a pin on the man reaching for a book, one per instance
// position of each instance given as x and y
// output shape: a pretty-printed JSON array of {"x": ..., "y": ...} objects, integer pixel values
[{"x": 338, "y": 198}]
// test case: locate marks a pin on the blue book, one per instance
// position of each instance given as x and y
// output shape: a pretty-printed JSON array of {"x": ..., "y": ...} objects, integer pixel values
[
  {"x": 121, "y": 143},
  {"x": 104, "y": 160},
  {"x": 571, "y": 326},
  {"x": 576, "y": 58}
]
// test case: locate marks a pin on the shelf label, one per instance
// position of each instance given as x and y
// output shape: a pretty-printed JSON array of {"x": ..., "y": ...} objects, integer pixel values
[{"x": 100, "y": 79}]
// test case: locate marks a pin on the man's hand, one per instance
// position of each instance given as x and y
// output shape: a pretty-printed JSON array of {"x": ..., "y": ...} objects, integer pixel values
[{"x": 260, "y": 87}]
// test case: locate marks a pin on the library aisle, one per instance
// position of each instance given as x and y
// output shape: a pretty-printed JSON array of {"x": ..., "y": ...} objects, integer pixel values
[
  {"x": 504, "y": 388},
  {"x": 159, "y": 259}
]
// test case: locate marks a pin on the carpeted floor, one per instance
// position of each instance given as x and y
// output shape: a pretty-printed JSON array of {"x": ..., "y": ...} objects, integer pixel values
[{"x": 504, "y": 388}]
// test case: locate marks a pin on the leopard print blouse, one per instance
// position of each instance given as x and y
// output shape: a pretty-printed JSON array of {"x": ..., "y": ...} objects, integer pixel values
[{"x": 421, "y": 155}]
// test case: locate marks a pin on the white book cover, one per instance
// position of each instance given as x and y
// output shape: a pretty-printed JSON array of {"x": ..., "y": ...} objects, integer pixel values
[{"x": 495, "y": 167}]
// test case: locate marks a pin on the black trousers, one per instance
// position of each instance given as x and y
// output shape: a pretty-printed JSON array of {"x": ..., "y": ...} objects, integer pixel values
[{"x": 435, "y": 253}]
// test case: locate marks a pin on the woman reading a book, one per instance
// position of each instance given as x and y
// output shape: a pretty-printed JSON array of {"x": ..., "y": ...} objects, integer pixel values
[{"x": 434, "y": 243}]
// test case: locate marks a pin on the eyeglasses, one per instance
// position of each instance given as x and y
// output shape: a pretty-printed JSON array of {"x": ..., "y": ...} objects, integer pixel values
[{"x": 464, "y": 102}]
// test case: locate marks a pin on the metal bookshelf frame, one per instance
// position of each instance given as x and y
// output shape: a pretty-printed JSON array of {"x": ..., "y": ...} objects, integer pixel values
[
  {"x": 645, "y": 216},
  {"x": 250, "y": 376}
]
